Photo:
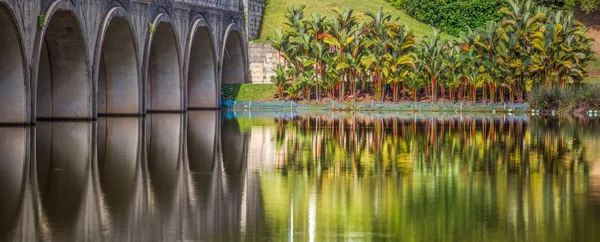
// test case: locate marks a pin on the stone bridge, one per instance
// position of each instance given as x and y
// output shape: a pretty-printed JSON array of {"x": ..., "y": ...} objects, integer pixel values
[{"x": 80, "y": 59}]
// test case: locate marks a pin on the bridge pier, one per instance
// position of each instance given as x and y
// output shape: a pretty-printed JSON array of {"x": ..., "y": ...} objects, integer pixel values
[{"x": 77, "y": 59}]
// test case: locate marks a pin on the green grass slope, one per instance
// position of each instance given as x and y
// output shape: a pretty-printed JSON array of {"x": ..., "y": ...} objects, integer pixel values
[{"x": 274, "y": 15}]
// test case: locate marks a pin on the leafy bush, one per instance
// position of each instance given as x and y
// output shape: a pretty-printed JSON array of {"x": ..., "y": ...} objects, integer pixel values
[{"x": 452, "y": 16}]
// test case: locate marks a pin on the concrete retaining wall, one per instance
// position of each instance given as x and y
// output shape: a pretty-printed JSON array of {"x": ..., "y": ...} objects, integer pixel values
[{"x": 263, "y": 60}]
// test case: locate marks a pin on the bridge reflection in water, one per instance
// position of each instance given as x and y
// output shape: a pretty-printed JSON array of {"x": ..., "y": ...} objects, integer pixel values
[{"x": 212, "y": 177}]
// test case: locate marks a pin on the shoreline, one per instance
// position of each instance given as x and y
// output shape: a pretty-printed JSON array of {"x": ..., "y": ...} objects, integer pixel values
[{"x": 467, "y": 107}]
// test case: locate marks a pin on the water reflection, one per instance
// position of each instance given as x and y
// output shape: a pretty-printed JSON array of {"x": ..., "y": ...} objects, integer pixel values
[
  {"x": 201, "y": 176},
  {"x": 65, "y": 185},
  {"x": 165, "y": 175},
  {"x": 15, "y": 205},
  {"x": 120, "y": 177}
]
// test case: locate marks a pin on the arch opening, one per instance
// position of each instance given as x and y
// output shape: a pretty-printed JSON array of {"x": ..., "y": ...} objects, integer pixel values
[
  {"x": 233, "y": 60},
  {"x": 12, "y": 74},
  {"x": 202, "y": 88},
  {"x": 118, "y": 80},
  {"x": 164, "y": 75},
  {"x": 63, "y": 75}
]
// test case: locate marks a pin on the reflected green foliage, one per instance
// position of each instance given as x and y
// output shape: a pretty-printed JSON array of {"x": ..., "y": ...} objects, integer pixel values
[
  {"x": 372, "y": 177},
  {"x": 392, "y": 145}
]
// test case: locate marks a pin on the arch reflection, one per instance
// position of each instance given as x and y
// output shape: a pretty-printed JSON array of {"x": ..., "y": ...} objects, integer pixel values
[
  {"x": 65, "y": 184},
  {"x": 16, "y": 223},
  {"x": 120, "y": 178},
  {"x": 164, "y": 143},
  {"x": 204, "y": 179}
]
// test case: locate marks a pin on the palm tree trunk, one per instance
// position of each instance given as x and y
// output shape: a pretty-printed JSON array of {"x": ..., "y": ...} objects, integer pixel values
[
  {"x": 433, "y": 88},
  {"x": 483, "y": 93},
  {"x": 415, "y": 94},
  {"x": 317, "y": 82}
]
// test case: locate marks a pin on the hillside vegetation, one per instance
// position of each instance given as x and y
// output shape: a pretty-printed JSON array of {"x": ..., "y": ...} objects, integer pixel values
[{"x": 274, "y": 15}]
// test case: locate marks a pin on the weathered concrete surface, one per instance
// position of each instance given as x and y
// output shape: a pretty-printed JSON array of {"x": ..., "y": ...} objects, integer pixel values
[
  {"x": 263, "y": 61},
  {"x": 73, "y": 59},
  {"x": 12, "y": 71},
  {"x": 255, "y": 11}
]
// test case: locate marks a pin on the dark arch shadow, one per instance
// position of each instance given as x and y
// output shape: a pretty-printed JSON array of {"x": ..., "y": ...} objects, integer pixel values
[
  {"x": 63, "y": 87},
  {"x": 202, "y": 85},
  {"x": 13, "y": 104},
  {"x": 234, "y": 70},
  {"x": 164, "y": 75},
  {"x": 118, "y": 77}
]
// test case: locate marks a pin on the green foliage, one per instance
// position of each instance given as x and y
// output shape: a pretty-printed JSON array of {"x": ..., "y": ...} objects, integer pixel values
[
  {"x": 586, "y": 5},
  {"x": 293, "y": 91},
  {"x": 275, "y": 10},
  {"x": 151, "y": 28},
  {"x": 349, "y": 57},
  {"x": 280, "y": 80},
  {"x": 452, "y": 16},
  {"x": 41, "y": 19}
]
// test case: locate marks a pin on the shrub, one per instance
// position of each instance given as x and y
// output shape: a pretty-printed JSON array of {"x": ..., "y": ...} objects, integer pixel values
[{"x": 452, "y": 16}]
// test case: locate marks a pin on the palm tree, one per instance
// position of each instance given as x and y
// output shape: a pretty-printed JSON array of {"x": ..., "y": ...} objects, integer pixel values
[
  {"x": 521, "y": 20},
  {"x": 280, "y": 80},
  {"x": 341, "y": 36},
  {"x": 279, "y": 42},
  {"x": 430, "y": 54},
  {"x": 379, "y": 37},
  {"x": 317, "y": 26}
]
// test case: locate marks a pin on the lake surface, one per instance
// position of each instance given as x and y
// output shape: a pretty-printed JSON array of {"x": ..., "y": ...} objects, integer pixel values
[{"x": 226, "y": 176}]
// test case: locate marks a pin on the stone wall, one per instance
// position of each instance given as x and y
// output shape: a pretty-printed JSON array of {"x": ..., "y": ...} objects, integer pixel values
[
  {"x": 263, "y": 60},
  {"x": 256, "y": 9}
]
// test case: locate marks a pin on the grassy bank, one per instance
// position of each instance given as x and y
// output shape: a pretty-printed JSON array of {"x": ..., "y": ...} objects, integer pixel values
[
  {"x": 568, "y": 100},
  {"x": 246, "y": 92},
  {"x": 276, "y": 9}
]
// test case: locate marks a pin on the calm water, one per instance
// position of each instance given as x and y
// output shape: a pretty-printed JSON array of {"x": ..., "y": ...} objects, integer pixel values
[{"x": 212, "y": 176}]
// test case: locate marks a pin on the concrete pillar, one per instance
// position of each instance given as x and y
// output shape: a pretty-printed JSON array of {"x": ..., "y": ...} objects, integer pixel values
[{"x": 12, "y": 73}]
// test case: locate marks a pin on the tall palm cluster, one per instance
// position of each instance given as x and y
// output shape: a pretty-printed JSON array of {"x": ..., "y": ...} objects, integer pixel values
[{"x": 349, "y": 56}]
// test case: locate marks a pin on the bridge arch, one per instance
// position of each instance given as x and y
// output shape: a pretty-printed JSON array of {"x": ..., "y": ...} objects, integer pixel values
[
  {"x": 61, "y": 73},
  {"x": 13, "y": 73},
  {"x": 233, "y": 57},
  {"x": 116, "y": 68},
  {"x": 164, "y": 86},
  {"x": 201, "y": 66}
]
